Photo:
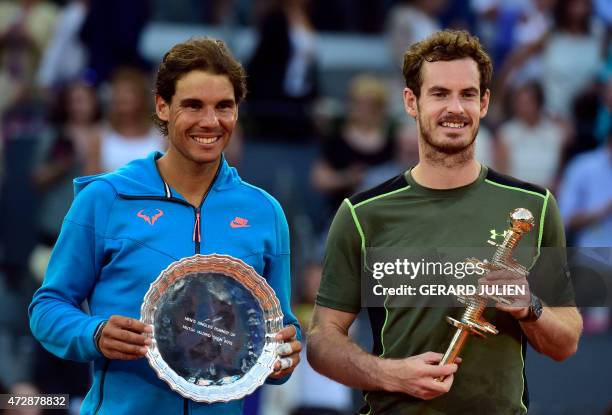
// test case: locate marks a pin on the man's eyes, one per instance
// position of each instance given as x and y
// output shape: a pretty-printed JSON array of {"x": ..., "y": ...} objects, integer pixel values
[
  {"x": 226, "y": 104},
  {"x": 199, "y": 106},
  {"x": 193, "y": 105},
  {"x": 445, "y": 94},
  {"x": 439, "y": 94}
]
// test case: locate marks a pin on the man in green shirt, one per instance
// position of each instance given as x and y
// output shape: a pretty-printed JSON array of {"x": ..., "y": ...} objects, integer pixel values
[{"x": 447, "y": 200}]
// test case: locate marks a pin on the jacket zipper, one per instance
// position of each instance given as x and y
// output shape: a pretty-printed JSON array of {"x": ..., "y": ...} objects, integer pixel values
[
  {"x": 197, "y": 227},
  {"x": 197, "y": 232},
  {"x": 104, "y": 370},
  {"x": 197, "y": 240},
  {"x": 196, "y": 237}
]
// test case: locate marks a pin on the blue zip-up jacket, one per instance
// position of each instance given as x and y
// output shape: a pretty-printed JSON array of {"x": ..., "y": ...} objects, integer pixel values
[{"x": 122, "y": 230}]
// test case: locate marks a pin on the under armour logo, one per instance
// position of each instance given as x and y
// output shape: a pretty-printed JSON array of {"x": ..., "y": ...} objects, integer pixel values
[
  {"x": 494, "y": 234},
  {"x": 150, "y": 219}
]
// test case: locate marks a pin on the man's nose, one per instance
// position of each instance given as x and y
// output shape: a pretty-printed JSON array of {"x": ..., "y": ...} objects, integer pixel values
[
  {"x": 208, "y": 118},
  {"x": 455, "y": 106}
]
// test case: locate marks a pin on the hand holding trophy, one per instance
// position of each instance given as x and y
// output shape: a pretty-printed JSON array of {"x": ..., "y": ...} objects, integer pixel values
[
  {"x": 288, "y": 352},
  {"x": 503, "y": 269}
]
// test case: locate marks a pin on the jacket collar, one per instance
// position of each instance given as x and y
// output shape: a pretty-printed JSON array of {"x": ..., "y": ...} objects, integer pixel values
[{"x": 142, "y": 178}]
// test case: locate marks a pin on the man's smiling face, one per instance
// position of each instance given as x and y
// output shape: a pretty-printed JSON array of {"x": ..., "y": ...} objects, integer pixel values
[
  {"x": 201, "y": 116},
  {"x": 449, "y": 108}
]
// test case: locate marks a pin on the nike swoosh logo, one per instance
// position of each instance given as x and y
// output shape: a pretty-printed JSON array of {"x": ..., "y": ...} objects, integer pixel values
[{"x": 239, "y": 223}]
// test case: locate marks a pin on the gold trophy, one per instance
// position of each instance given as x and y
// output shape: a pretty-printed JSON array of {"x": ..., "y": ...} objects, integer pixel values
[{"x": 471, "y": 321}]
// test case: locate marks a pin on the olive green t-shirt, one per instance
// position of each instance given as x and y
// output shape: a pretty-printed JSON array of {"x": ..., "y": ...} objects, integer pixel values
[{"x": 401, "y": 213}]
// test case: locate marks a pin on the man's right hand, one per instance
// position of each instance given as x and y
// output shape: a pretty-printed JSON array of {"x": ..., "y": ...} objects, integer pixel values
[
  {"x": 124, "y": 338},
  {"x": 416, "y": 375}
]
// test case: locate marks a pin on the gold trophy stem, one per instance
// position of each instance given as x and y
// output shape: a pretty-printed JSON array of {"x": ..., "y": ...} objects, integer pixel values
[{"x": 455, "y": 346}]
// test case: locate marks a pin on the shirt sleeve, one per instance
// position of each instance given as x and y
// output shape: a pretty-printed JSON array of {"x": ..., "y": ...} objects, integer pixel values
[
  {"x": 278, "y": 274},
  {"x": 340, "y": 287},
  {"x": 56, "y": 317}
]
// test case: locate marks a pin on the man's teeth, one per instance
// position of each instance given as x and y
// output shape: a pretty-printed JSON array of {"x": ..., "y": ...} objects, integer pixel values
[
  {"x": 205, "y": 140},
  {"x": 453, "y": 124}
]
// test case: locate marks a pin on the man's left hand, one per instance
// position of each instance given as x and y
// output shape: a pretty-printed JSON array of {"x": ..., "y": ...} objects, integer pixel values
[
  {"x": 288, "y": 352},
  {"x": 505, "y": 280}
]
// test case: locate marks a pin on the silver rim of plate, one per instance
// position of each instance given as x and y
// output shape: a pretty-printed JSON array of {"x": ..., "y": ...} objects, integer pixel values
[{"x": 267, "y": 300}]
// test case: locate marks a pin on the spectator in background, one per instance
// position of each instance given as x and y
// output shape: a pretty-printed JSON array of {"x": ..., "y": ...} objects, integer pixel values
[
  {"x": 215, "y": 12},
  {"x": 25, "y": 27},
  {"x": 585, "y": 200},
  {"x": 576, "y": 33},
  {"x": 531, "y": 144},
  {"x": 65, "y": 57},
  {"x": 330, "y": 16},
  {"x": 458, "y": 15},
  {"x": 67, "y": 154},
  {"x": 405, "y": 156},
  {"x": 523, "y": 60},
  {"x": 408, "y": 22},
  {"x": 23, "y": 126},
  {"x": 109, "y": 48},
  {"x": 536, "y": 23},
  {"x": 129, "y": 133},
  {"x": 16, "y": 60},
  {"x": 360, "y": 141},
  {"x": 508, "y": 25},
  {"x": 551, "y": 58},
  {"x": 356, "y": 16},
  {"x": 603, "y": 8},
  {"x": 282, "y": 74},
  {"x": 411, "y": 21},
  {"x": 29, "y": 20},
  {"x": 604, "y": 116}
]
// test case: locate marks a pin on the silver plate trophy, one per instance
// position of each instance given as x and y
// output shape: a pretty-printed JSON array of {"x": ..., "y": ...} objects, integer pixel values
[{"x": 214, "y": 320}]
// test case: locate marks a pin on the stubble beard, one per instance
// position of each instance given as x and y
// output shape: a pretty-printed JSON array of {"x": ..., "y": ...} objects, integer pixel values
[{"x": 445, "y": 155}]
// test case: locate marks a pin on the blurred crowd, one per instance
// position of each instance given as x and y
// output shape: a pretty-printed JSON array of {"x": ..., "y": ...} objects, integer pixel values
[{"x": 76, "y": 100}]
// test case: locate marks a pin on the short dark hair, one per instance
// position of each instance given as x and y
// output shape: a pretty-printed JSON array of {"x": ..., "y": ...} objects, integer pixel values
[
  {"x": 204, "y": 54},
  {"x": 562, "y": 19},
  {"x": 534, "y": 87},
  {"x": 446, "y": 45}
]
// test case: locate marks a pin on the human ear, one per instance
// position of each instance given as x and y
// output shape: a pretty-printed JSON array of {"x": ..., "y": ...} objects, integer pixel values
[
  {"x": 162, "y": 109},
  {"x": 484, "y": 103},
  {"x": 410, "y": 102}
]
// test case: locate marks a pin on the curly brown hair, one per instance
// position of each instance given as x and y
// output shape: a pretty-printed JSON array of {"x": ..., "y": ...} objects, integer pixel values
[
  {"x": 446, "y": 45},
  {"x": 201, "y": 54}
]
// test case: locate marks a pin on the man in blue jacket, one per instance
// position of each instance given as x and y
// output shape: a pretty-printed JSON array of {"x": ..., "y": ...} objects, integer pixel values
[{"x": 126, "y": 226}]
